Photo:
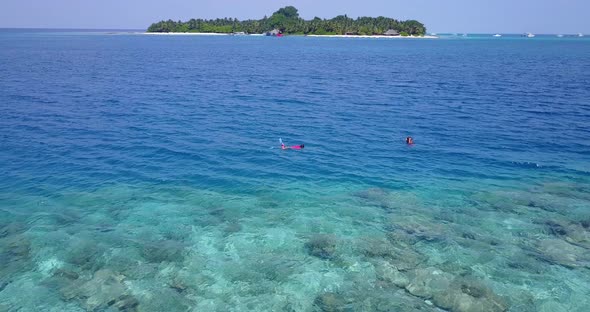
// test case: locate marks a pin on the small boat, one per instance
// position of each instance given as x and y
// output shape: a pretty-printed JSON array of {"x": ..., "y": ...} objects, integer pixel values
[
  {"x": 497, "y": 35},
  {"x": 529, "y": 35},
  {"x": 559, "y": 36},
  {"x": 580, "y": 35}
]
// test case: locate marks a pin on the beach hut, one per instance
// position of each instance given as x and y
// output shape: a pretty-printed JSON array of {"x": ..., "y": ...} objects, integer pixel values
[
  {"x": 274, "y": 32},
  {"x": 391, "y": 32}
]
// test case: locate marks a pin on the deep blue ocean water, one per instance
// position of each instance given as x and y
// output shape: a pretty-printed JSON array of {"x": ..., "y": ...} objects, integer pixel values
[{"x": 144, "y": 173}]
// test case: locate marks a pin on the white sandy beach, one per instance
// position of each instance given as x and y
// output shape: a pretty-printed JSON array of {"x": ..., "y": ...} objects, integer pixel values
[
  {"x": 319, "y": 36},
  {"x": 183, "y": 34},
  {"x": 375, "y": 36}
]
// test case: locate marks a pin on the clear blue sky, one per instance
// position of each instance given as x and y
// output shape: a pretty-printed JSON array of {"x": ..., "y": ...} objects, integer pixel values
[{"x": 487, "y": 16}]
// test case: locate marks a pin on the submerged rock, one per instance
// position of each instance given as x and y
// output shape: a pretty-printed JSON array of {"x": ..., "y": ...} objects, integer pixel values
[
  {"x": 397, "y": 301},
  {"x": 322, "y": 246},
  {"x": 573, "y": 232},
  {"x": 517, "y": 202},
  {"x": 267, "y": 202},
  {"x": 218, "y": 211},
  {"x": 468, "y": 295},
  {"x": 159, "y": 299},
  {"x": 412, "y": 230},
  {"x": 560, "y": 252},
  {"x": 469, "y": 235},
  {"x": 389, "y": 273},
  {"x": 164, "y": 250},
  {"x": 382, "y": 298},
  {"x": 12, "y": 228},
  {"x": 105, "y": 289},
  {"x": 373, "y": 193},
  {"x": 454, "y": 293},
  {"x": 455, "y": 268},
  {"x": 551, "y": 306},
  {"x": 15, "y": 248},
  {"x": 3, "y": 284},
  {"x": 330, "y": 302},
  {"x": 86, "y": 254},
  {"x": 426, "y": 282},
  {"x": 567, "y": 190},
  {"x": 400, "y": 255},
  {"x": 377, "y": 248},
  {"x": 376, "y": 196},
  {"x": 15, "y": 256},
  {"x": 524, "y": 263},
  {"x": 555, "y": 228},
  {"x": 66, "y": 273},
  {"x": 125, "y": 303},
  {"x": 277, "y": 268},
  {"x": 232, "y": 227},
  {"x": 496, "y": 201},
  {"x": 177, "y": 286}
]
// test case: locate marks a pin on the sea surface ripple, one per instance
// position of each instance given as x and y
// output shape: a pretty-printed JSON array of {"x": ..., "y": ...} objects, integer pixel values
[{"x": 159, "y": 156}]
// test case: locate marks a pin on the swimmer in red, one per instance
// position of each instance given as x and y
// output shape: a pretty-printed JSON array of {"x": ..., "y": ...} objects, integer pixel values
[{"x": 409, "y": 141}]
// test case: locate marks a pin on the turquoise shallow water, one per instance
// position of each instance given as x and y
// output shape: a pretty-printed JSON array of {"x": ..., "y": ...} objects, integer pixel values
[{"x": 142, "y": 173}]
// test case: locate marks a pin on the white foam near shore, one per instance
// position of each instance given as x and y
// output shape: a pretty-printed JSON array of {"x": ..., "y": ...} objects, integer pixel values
[{"x": 323, "y": 36}]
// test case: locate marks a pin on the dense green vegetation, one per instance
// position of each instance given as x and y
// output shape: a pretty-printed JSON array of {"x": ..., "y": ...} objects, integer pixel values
[{"x": 287, "y": 20}]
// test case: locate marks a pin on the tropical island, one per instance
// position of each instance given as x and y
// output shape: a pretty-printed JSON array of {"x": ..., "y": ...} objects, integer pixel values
[{"x": 287, "y": 21}]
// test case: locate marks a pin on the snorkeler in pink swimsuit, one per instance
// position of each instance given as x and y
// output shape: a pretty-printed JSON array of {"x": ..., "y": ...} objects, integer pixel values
[{"x": 295, "y": 147}]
